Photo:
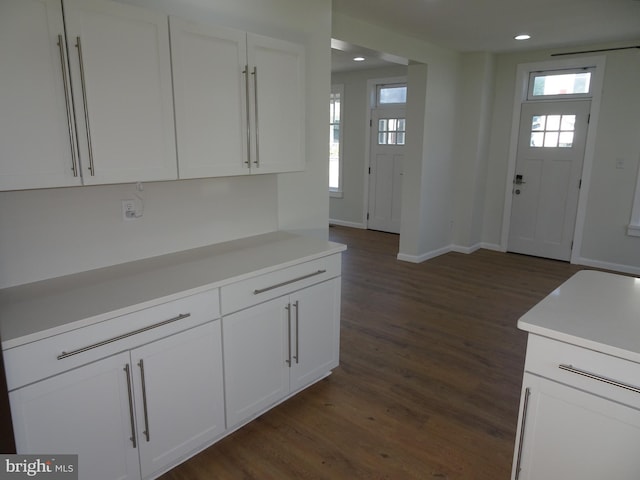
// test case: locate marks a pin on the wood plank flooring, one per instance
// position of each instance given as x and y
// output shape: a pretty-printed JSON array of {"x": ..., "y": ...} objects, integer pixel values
[{"x": 429, "y": 378}]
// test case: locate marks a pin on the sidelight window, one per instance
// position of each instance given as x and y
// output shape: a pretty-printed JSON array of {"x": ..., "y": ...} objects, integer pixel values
[{"x": 335, "y": 139}]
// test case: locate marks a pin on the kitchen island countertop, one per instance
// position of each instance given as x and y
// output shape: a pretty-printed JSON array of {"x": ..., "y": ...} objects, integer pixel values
[{"x": 595, "y": 310}]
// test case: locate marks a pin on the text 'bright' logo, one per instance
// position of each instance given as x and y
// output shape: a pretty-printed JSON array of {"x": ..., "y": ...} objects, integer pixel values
[{"x": 29, "y": 466}]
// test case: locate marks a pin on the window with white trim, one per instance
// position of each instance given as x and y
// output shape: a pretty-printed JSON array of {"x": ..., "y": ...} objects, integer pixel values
[
  {"x": 569, "y": 83},
  {"x": 335, "y": 139},
  {"x": 394, "y": 94},
  {"x": 391, "y": 130}
]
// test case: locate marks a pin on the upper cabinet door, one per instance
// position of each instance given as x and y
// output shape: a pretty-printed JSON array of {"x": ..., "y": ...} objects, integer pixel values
[
  {"x": 37, "y": 146},
  {"x": 277, "y": 116},
  {"x": 121, "y": 74},
  {"x": 210, "y": 82}
]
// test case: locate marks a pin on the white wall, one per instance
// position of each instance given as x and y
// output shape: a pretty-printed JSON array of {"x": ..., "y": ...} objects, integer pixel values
[
  {"x": 610, "y": 192},
  {"x": 612, "y": 188},
  {"x": 351, "y": 208},
  {"x": 473, "y": 124},
  {"x": 54, "y": 232}
]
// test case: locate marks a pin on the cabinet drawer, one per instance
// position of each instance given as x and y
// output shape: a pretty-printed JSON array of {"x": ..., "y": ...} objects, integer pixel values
[
  {"x": 588, "y": 370},
  {"x": 37, "y": 360},
  {"x": 252, "y": 291}
]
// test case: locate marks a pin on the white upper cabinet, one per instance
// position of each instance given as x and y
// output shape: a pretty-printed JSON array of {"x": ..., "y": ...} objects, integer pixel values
[
  {"x": 87, "y": 97},
  {"x": 210, "y": 99},
  {"x": 37, "y": 136},
  {"x": 239, "y": 102},
  {"x": 121, "y": 72},
  {"x": 277, "y": 114}
]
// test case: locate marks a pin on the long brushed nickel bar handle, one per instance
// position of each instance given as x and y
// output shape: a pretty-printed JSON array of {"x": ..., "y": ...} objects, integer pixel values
[
  {"x": 278, "y": 285},
  {"x": 523, "y": 422},
  {"x": 296, "y": 304},
  {"x": 86, "y": 105},
  {"x": 144, "y": 400},
  {"x": 288, "y": 309},
  {"x": 245, "y": 72},
  {"x": 255, "y": 98},
  {"x": 120, "y": 337},
  {"x": 593, "y": 376},
  {"x": 131, "y": 417},
  {"x": 67, "y": 104}
]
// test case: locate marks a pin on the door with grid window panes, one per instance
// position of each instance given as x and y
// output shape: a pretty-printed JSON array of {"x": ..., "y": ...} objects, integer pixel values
[
  {"x": 388, "y": 138},
  {"x": 546, "y": 183}
]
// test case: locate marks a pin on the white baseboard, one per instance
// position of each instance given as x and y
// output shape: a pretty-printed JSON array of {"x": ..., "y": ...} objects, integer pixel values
[
  {"x": 467, "y": 250},
  {"x": 449, "y": 248},
  {"x": 493, "y": 246},
  {"x": 616, "y": 267},
  {"x": 423, "y": 257},
  {"x": 342, "y": 223}
]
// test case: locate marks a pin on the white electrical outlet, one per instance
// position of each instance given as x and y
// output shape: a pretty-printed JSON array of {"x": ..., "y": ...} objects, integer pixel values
[{"x": 129, "y": 210}]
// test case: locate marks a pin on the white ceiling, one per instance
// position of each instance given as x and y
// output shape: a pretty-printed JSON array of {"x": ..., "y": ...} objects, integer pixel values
[
  {"x": 490, "y": 25},
  {"x": 342, "y": 54}
]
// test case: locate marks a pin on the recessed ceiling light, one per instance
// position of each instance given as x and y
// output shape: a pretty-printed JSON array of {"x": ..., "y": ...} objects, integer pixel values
[
  {"x": 358, "y": 59},
  {"x": 522, "y": 36}
]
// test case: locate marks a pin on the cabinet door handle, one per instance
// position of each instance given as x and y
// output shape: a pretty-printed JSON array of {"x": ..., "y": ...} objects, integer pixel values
[
  {"x": 120, "y": 337},
  {"x": 288, "y": 309},
  {"x": 288, "y": 282},
  {"x": 255, "y": 99},
  {"x": 296, "y": 304},
  {"x": 127, "y": 369},
  {"x": 593, "y": 376},
  {"x": 144, "y": 400},
  {"x": 85, "y": 104},
  {"x": 523, "y": 422},
  {"x": 67, "y": 103},
  {"x": 245, "y": 72}
]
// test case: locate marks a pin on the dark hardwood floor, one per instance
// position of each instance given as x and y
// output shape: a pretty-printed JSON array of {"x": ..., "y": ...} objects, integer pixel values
[{"x": 429, "y": 378}]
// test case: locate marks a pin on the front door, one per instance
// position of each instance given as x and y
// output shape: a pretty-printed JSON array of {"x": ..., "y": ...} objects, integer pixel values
[
  {"x": 385, "y": 168},
  {"x": 546, "y": 184}
]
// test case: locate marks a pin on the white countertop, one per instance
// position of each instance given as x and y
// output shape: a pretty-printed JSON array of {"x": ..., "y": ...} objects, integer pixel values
[
  {"x": 41, "y": 309},
  {"x": 595, "y": 310}
]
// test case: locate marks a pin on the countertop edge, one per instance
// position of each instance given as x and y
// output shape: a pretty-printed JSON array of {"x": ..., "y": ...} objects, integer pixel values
[
  {"x": 580, "y": 342},
  {"x": 320, "y": 249}
]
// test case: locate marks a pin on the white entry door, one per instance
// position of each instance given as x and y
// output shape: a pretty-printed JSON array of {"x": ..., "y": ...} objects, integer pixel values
[
  {"x": 546, "y": 184},
  {"x": 385, "y": 168}
]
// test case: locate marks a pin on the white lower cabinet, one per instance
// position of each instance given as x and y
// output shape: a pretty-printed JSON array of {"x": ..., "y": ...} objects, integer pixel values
[
  {"x": 138, "y": 392},
  {"x": 579, "y": 415},
  {"x": 130, "y": 415},
  {"x": 278, "y": 347},
  {"x": 84, "y": 411},
  {"x": 179, "y": 395},
  {"x": 572, "y": 434}
]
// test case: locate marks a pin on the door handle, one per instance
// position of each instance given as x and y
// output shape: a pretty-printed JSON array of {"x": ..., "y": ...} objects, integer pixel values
[
  {"x": 144, "y": 400},
  {"x": 518, "y": 180},
  {"x": 83, "y": 84},
  {"x": 296, "y": 304},
  {"x": 127, "y": 370}
]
